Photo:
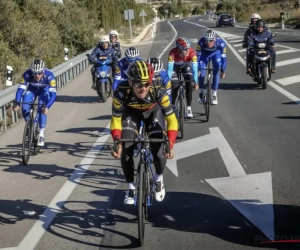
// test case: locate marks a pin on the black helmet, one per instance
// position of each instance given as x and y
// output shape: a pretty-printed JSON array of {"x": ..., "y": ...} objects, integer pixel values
[{"x": 260, "y": 23}]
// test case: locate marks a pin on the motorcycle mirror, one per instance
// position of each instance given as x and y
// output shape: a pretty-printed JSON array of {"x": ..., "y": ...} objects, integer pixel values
[
  {"x": 88, "y": 55},
  {"x": 273, "y": 35}
]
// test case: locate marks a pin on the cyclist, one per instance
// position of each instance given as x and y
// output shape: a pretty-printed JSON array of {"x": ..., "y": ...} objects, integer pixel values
[
  {"x": 260, "y": 34},
  {"x": 131, "y": 55},
  {"x": 113, "y": 38},
  {"x": 103, "y": 49},
  {"x": 36, "y": 82},
  {"x": 212, "y": 47},
  {"x": 161, "y": 74},
  {"x": 139, "y": 97},
  {"x": 183, "y": 57}
]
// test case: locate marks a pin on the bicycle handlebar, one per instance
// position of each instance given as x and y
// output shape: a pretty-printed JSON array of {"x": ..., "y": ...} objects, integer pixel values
[{"x": 166, "y": 141}]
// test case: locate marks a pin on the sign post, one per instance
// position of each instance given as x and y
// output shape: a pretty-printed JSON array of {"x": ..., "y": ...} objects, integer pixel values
[
  {"x": 9, "y": 71},
  {"x": 143, "y": 14},
  {"x": 129, "y": 14}
]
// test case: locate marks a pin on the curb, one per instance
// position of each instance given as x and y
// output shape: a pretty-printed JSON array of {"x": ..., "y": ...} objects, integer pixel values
[{"x": 140, "y": 37}]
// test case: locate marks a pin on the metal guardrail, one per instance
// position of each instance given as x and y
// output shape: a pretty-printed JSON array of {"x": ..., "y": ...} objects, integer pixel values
[{"x": 64, "y": 73}]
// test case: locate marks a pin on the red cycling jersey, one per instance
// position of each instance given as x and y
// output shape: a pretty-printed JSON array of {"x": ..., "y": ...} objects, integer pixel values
[{"x": 176, "y": 57}]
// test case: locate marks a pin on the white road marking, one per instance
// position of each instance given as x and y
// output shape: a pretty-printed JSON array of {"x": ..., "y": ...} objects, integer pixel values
[
  {"x": 285, "y": 51},
  {"x": 237, "y": 45},
  {"x": 287, "y": 62},
  {"x": 236, "y": 41},
  {"x": 289, "y": 80}
]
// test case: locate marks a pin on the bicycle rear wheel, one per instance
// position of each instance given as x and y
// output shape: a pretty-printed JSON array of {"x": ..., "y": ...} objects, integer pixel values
[
  {"x": 26, "y": 147},
  {"x": 141, "y": 203}
]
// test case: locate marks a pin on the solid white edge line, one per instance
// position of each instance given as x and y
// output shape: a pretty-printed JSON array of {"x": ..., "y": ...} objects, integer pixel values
[
  {"x": 34, "y": 235},
  {"x": 270, "y": 83},
  {"x": 172, "y": 41}
]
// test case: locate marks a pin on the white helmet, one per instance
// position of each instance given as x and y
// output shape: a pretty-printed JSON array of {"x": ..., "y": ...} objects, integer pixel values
[
  {"x": 104, "y": 39},
  {"x": 132, "y": 53},
  {"x": 37, "y": 66},
  {"x": 156, "y": 64},
  {"x": 254, "y": 16},
  {"x": 209, "y": 35},
  {"x": 113, "y": 32}
]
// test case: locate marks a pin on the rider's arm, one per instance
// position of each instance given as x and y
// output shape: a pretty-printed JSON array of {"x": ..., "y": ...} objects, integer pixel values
[
  {"x": 52, "y": 88},
  {"x": 166, "y": 82},
  {"x": 118, "y": 75},
  {"x": 223, "y": 56},
  {"x": 117, "y": 111},
  {"x": 199, "y": 48},
  {"x": 167, "y": 109},
  {"x": 250, "y": 40},
  {"x": 93, "y": 55},
  {"x": 22, "y": 87},
  {"x": 170, "y": 63},
  {"x": 194, "y": 64}
]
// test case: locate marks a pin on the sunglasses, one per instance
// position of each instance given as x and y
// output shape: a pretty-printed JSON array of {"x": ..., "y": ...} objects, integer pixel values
[
  {"x": 209, "y": 41},
  {"x": 113, "y": 36},
  {"x": 37, "y": 73},
  {"x": 184, "y": 49},
  {"x": 139, "y": 85}
]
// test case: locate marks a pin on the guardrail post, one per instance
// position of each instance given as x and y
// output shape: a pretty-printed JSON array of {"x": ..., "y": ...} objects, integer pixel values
[
  {"x": 9, "y": 71},
  {"x": 14, "y": 114},
  {"x": 66, "y": 54}
]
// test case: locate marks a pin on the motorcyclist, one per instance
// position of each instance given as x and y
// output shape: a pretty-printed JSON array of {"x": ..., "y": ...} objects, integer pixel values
[
  {"x": 103, "y": 49},
  {"x": 113, "y": 38},
  {"x": 260, "y": 34}
]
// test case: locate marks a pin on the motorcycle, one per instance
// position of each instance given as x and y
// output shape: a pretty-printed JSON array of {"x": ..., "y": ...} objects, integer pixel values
[
  {"x": 261, "y": 65},
  {"x": 102, "y": 77}
]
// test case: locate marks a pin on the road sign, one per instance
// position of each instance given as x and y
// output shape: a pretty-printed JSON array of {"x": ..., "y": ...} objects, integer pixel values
[
  {"x": 143, "y": 13},
  {"x": 129, "y": 14},
  {"x": 251, "y": 195}
]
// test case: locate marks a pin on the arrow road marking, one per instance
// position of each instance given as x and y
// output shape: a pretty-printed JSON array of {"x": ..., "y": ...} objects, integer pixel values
[{"x": 251, "y": 195}]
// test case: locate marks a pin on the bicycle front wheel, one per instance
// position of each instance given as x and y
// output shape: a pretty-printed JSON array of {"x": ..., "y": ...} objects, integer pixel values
[
  {"x": 181, "y": 114},
  {"x": 27, "y": 141},
  {"x": 141, "y": 203},
  {"x": 207, "y": 99}
]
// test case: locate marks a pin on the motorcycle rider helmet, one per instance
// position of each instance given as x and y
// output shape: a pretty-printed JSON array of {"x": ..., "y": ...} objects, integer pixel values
[
  {"x": 156, "y": 64},
  {"x": 103, "y": 39},
  {"x": 259, "y": 24},
  {"x": 183, "y": 43},
  {"x": 132, "y": 54},
  {"x": 254, "y": 16},
  {"x": 113, "y": 33},
  {"x": 37, "y": 66},
  {"x": 140, "y": 72}
]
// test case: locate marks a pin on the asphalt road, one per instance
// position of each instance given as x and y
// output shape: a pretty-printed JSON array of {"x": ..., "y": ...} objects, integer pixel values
[{"x": 234, "y": 181}]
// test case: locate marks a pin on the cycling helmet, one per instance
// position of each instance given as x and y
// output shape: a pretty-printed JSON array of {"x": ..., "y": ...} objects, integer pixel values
[
  {"x": 183, "y": 43},
  {"x": 132, "y": 54},
  {"x": 254, "y": 16},
  {"x": 104, "y": 39},
  {"x": 209, "y": 35},
  {"x": 156, "y": 64},
  {"x": 259, "y": 23},
  {"x": 37, "y": 66},
  {"x": 140, "y": 71}
]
